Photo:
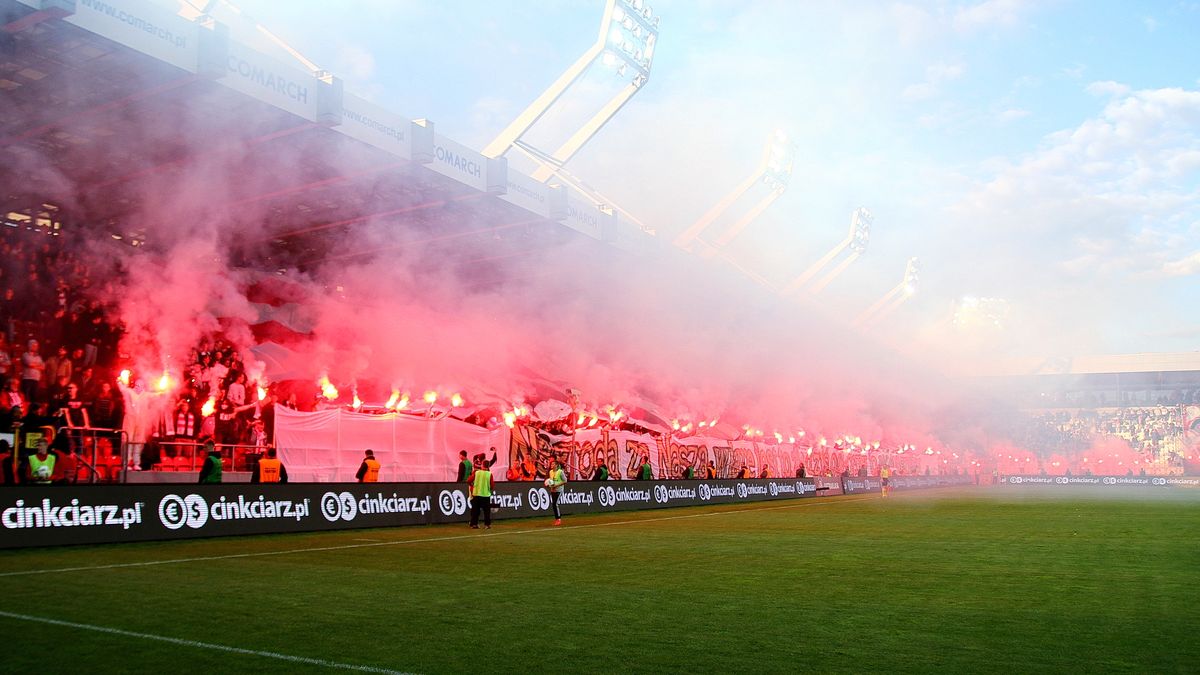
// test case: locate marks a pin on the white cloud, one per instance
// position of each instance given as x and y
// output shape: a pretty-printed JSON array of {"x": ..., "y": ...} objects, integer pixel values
[
  {"x": 1151, "y": 23},
  {"x": 1182, "y": 268},
  {"x": 1100, "y": 214},
  {"x": 988, "y": 14},
  {"x": 1075, "y": 71},
  {"x": 914, "y": 24},
  {"x": 1013, "y": 114},
  {"x": 1107, "y": 88},
  {"x": 935, "y": 75}
]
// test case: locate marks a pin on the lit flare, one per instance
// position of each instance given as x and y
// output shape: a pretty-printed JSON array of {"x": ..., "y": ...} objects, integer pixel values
[{"x": 329, "y": 391}]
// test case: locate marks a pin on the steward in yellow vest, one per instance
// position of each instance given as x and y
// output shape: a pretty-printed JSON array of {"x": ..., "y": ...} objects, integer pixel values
[
  {"x": 368, "y": 471},
  {"x": 269, "y": 470},
  {"x": 481, "y": 494}
]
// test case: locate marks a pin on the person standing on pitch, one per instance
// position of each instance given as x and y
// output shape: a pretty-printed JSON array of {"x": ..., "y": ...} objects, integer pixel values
[
  {"x": 269, "y": 469},
  {"x": 884, "y": 486},
  {"x": 601, "y": 472},
  {"x": 646, "y": 472},
  {"x": 481, "y": 495},
  {"x": 555, "y": 483},
  {"x": 368, "y": 471},
  {"x": 464, "y": 467},
  {"x": 41, "y": 464},
  {"x": 212, "y": 470}
]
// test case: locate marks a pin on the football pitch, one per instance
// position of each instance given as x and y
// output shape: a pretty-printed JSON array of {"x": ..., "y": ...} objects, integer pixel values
[{"x": 949, "y": 580}]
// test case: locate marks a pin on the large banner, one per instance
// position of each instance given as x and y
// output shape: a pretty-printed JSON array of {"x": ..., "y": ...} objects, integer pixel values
[
  {"x": 89, "y": 514},
  {"x": 623, "y": 452}
]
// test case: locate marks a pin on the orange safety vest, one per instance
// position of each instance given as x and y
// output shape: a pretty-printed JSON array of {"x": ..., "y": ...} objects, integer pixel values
[
  {"x": 372, "y": 474},
  {"x": 268, "y": 470}
]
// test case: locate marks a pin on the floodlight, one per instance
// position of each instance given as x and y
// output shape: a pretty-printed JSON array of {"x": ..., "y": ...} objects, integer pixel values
[
  {"x": 899, "y": 294},
  {"x": 855, "y": 241},
  {"x": 628, "y": 35},
  {"x": 775, "y": 170}
]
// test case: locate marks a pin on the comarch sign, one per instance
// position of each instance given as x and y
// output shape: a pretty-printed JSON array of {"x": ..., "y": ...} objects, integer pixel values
[
  {"x": 270, "y": 81},
  {"x": 88, "y": 514}
]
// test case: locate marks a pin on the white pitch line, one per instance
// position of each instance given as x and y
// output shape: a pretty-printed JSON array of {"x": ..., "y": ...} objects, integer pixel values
[
  {"x": 402, "y": 542},
  {"x": 201, "y": 645}
]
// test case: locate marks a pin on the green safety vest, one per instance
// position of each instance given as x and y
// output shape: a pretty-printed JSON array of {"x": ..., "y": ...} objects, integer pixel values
[
  {"x": 557, "y": 479},
  {"x": 35, "y": 464},
  {"x": 467, "y": 467},
  {"x": 215, "y": 471},
  {"x": 483, "y": 483},
  {"x": 647, "y": 472},
  {"x": 603, "y": 472}
]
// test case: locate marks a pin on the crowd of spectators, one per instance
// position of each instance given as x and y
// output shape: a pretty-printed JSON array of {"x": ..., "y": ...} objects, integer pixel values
[
  {"x": 1157, "y": 430},
  {"x": 57, "y": 346},
  {"x": 60, "y": 367}
]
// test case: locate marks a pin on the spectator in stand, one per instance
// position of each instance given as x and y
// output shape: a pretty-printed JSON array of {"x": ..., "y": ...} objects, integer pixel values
[
  {"x": 368, "y": 471},
  {"x": 65, "y": 465},
  {"x": 212, "y": 470},
  {"x": 5, "y": 357},
  {"x": 52, "y": 328},
  {"x": 32, "y": 367},
  {"x": 528, "y": 468},
  {"x": 107, "y": 408},
  {"x": 228, "y": 428},
  {"x": 71, "y": 408},
  {"x": 56, "y": 393},
  {"x": 8, "y": 313},
  {"x": 257, "y": 435},
  {"x": 801, "y": 472},
  {"x": 236, "y": 391},
  {"x": 74, "y": 328},
  {"x": 513, "y": 474},
  {"x": 89, "y": 386},
  {"x": 216, "y": 377},
  {"x": 58, "y": 366},
  {"x": 97, "y": 334},
  {"x": 710, "y": 471},
  {"x": 13, "y": 405},
  {"x": 185, "y": 426},
  {"x": 744, "y": 472}
]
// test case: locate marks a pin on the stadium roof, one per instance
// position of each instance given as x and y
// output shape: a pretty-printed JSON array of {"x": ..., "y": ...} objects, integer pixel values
[
  {"x": 1089, "y": 365},
  {"x": 110, "y": 103}
]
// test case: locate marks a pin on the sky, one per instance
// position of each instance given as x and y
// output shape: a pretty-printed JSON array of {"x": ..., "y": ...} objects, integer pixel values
[{"x": 1043, "y": 153}]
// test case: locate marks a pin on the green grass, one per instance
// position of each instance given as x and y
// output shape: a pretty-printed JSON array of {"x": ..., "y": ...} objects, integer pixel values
[{"x": 953, "y": 583}]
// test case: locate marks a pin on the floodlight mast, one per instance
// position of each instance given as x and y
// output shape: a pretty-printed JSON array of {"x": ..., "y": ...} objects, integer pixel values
[
  {"x": 856, "y": 241},
  {"x": 859, "y": 238},
  {"x": 628, "y": 35},
  {"x": 775, "y": 170},
  {"x": 898, "y": 295}
]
